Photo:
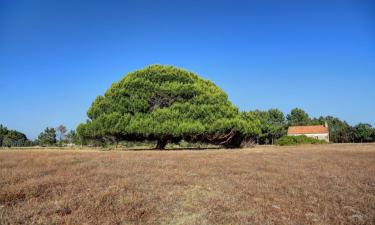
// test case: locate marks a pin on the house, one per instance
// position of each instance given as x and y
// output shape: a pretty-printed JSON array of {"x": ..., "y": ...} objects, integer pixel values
[{"x": 320, "y": 132}]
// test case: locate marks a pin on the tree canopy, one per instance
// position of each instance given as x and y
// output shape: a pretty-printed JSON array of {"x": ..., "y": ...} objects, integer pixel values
[
  {"x": 298, "y": 117},
  {"x": 47, "y": 137},
  {"x": 12, "y": 138},
  {"x": 272, "y": 125},
  {"x": 166, "y": 104},
  {"x": 363, "y": 132}
]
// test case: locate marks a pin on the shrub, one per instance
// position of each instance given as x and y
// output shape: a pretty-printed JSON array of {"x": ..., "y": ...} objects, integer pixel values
[{"x": 298, "y": 140}]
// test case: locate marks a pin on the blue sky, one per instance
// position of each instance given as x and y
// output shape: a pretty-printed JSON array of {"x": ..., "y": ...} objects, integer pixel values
[{"x": 57, "y": 56}]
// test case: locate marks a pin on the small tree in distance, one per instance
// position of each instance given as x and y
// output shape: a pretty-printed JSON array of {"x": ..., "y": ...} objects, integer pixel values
[
  {"x": 61, "y": 130},
  {"x": 73, "y": 138},
  {"x": 47, "y": 137}
]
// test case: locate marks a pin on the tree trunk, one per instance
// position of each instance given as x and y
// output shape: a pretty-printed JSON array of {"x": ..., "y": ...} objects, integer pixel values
[
  {"x": 161, "y": 144},
  {"x": 234, "y": 142}
]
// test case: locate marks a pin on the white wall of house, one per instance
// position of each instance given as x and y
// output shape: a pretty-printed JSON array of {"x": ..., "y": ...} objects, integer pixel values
[{"x": 324, "y": 136}]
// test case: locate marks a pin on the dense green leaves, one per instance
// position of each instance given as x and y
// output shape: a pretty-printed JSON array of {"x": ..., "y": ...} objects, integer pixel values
[
  {"x": 48, "y": 137},
  {"x": 298, "y": 140},
  {"x": 272, "y": 125},
  {"x": 364, "y": 132},
  {"x": 298, "y": 117},
  {"x": 166, "y": 104},
  {"x": 339, "y": 131},
  {"x": 12, "y": 138}
]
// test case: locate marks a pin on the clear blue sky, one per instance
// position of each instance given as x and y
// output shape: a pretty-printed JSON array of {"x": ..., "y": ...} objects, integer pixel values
[{"x": 57, "y": 56}]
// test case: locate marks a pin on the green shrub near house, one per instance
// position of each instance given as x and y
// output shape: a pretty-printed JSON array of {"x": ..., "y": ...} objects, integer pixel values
[{"x": 298, "y": 140}]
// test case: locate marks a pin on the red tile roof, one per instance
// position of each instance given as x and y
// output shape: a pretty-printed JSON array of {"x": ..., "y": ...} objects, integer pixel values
[{"x": 320, "y": 129}]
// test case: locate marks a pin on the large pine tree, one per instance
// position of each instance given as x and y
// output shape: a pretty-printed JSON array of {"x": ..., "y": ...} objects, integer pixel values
[{"x": 166, "y": 104}]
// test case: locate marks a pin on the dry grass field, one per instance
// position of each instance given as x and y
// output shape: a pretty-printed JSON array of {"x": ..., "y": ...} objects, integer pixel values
[{"x": 327, "y": 184}]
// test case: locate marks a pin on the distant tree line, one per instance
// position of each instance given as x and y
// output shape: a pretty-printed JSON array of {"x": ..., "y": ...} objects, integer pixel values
[
  {"x": 57, "y": 137},
  {"x": 164, "y": 105},
  {"x": 12, "y": 138},
  {"x": 49, "y": 137},
  {"x": 274, "y": 125}
]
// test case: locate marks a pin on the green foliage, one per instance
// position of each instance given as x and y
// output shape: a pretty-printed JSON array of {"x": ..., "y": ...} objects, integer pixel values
[
  {"x": 72, "y": 137},
  {"x": 298, "y": 117},
  {"x": 339, "y": 131},
  {"x": 48, "y": 137},
  {"x": 3, "y": 132},
  {"x": 363, "y": 132},
  {"x": 12, "y": 138},
  {"x": 166, "y": 104},
  {"x": 272, "y": 125},
  {"x": 298, "y": 140}
]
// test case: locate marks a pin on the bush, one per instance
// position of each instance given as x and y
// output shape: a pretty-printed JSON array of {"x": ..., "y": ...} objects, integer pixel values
[{"x": 298, "y": 140}]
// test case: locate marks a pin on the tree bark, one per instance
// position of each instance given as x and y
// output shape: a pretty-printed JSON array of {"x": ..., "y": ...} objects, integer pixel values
[
  {"x": 234, "y": 142},
  {"x": 161, "y": 144}
]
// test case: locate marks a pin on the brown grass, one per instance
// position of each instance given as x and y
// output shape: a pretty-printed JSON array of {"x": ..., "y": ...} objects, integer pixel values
[{"x": 332, "y": 184}]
